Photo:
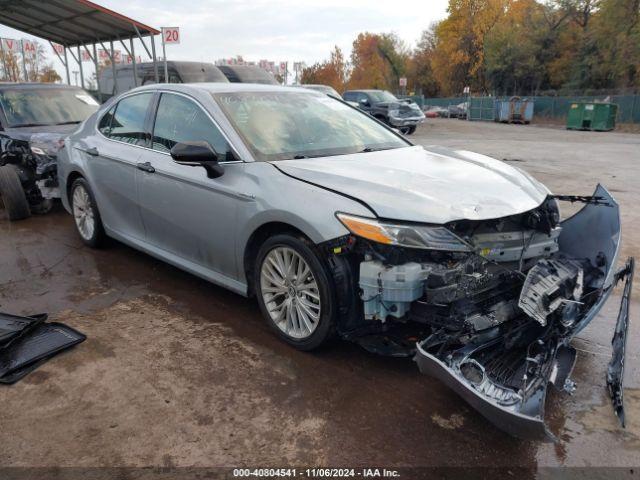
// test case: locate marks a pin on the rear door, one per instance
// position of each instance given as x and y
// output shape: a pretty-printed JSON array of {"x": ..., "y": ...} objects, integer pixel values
[
  {"x": 184, "y": 212},
  {"x": 113, "y": 161}
]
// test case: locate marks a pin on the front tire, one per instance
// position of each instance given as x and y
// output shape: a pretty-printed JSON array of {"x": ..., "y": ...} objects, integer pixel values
[
  {"x": 13, "y": 196},
  {"x": 86, "y": 214},
  {"x": 411, "y": 130},
  {"x": 295, "y": 291}
]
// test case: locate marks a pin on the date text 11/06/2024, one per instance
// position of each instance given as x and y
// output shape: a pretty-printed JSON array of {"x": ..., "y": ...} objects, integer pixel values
[{"x": 316, "y": 472}]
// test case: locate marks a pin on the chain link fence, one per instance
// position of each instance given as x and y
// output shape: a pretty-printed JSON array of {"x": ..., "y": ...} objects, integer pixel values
[{"x": 551, "y": 107}]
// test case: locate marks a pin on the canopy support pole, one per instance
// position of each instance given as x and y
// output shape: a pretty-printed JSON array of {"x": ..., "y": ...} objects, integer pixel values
[
  {"x": 97, "y": 67},
  {"x": 135, "y": 76},
  {"x": 155, "y": 59},
  {"x": 66, "y": 65},
  {"x": 78, "y": 60},
  {"x": 113, "y": 68},
  {"x": 133, "y": 61},
  {"x": 152, "y": 53},
  {"x": 24, "y": 61}
]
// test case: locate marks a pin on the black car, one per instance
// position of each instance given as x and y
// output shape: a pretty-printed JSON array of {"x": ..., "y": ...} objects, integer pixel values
[
  {"x": 247, "y": 74},
  {"x": 34, "y": 120},
  {"x": 178, "y": 72},
  {"x": 386, "y": 107}
]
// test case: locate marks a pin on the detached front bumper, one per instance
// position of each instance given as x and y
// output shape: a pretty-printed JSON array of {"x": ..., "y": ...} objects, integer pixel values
[
  {"x": 406, "y": 121},
  {"x": 506, "y": 377}
]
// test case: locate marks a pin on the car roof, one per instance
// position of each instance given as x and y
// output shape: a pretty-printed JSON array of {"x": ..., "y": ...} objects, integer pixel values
[
  {"x": 224, "y": 88},
  {"x": 170, "y": 63}
]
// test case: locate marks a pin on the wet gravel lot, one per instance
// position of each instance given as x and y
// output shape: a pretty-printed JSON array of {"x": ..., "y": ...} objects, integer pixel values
[{"x": 178, "y": 372}]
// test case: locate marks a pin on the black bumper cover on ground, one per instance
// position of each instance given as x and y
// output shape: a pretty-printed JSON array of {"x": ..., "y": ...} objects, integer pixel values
[{"x": 28, "y": 342}]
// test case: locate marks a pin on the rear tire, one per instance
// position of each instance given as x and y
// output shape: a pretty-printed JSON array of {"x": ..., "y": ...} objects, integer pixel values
[
  {"x": 86, "y": 215},
  {"x": 298, "y": 302},
  {"x": 13, "y": 196}
]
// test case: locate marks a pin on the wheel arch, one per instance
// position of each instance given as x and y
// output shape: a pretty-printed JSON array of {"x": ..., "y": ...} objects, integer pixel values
[
  {"x": 72, "y": 177},
  {"x": 257, "y": 238}
]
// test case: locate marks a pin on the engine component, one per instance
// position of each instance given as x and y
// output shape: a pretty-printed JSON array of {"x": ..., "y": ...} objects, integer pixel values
[
  {"x": 549, "y": 285},
  {"x": 512, "y": 246},
  {"x": 389, "y": 290}
]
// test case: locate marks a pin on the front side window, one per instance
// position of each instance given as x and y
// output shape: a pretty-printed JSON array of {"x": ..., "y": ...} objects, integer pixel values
[
  {"x": 290, "y": 125},
  {"x": 362, "y": 98},
  {"x": 180, "y": 119},
  {"x": 128, "y": 121},
  {"x": 383, "y": 96}
]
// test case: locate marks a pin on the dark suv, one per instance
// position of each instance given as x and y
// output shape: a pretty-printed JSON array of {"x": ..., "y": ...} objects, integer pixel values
[
  {"x": 386, "y": 107},
  {"x": 179, "y": 72}
]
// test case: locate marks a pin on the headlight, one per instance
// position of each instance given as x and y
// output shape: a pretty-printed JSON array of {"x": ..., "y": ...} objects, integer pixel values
[{"x": 411, "y": 236}]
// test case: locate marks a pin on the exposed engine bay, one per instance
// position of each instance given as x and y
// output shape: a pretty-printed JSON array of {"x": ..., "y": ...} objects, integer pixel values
[{"x": 494, "y": 320}]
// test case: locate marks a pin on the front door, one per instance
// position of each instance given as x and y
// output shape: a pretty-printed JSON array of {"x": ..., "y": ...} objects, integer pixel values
[{"x": 184, "y": 212}]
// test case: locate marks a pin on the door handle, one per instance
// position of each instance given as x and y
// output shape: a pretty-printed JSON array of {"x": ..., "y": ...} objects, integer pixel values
[
  {"x": 146, "y": 167},
  {"x": 93, "y": 151}
]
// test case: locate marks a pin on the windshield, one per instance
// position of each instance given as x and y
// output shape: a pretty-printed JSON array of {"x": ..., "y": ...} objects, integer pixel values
[
  {"x": 46, "y": 106},
  {"x": 383, "y": 96},
  {"x": 287, "y": 125}
]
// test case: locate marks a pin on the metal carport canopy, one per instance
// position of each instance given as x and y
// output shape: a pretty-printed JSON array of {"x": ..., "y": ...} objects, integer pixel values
[
  {"x": 70, "y": 22},
  {"x": 75, "y": 23}
]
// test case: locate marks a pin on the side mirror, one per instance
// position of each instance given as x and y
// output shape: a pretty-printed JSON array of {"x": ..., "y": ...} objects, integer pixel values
[
  {"x": 363, "y": 102},
  {"x": 197, "y": 154}
]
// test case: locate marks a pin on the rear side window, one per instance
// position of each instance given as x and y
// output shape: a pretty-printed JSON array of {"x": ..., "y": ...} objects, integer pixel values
[
  {"x": 105, "y": 122},
  {"x": 180, "y": 119},
  {"x": 128, "y": 121}
]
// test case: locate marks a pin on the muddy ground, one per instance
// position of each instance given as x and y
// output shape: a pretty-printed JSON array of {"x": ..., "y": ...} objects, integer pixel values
[{"x": 179, "y": 372}]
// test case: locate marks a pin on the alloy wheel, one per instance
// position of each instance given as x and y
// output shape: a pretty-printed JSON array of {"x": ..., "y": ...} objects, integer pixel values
[
  {"x": 83, "y": 212},
  {"x": 290, "y": 292}
]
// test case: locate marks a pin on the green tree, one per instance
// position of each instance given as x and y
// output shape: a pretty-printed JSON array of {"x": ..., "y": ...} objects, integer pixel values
[{"x": 419, "y": 71}]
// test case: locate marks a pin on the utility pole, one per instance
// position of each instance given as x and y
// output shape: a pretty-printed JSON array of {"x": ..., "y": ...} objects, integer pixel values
[{"x": 75, "y": 76}]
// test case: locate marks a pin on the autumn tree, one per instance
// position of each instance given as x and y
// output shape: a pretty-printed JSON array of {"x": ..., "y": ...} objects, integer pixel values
[
  {"x": 395, "y": 54},
  {"x": 503, "y": 47},
  {"x": 420, "y": 76},
  {"x": 332, "y": 72},
  {"x": 36, "y": 66},
  {"x": 616, "y": 30},
  {"x": 369, "y": 68},
  {"x": 516, "y": 49},
  {"x": 459, "y": 54},
  {"x": 11, "y": 66}
]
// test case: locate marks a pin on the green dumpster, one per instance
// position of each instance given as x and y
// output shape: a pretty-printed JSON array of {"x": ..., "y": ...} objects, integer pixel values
[{"x": 592, "y": 116}]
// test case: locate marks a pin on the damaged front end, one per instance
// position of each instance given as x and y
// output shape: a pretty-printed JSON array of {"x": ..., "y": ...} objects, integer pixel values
[
  {"x": 493, "y": 318},
  {"x": 34, "y": 157}
]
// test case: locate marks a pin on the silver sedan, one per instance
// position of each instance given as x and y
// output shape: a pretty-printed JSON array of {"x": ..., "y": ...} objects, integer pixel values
[{"x": 339, "y": 225}]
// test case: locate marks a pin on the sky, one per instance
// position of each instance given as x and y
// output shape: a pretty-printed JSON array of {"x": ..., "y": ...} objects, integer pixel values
[{"x": 277, "y": 30}]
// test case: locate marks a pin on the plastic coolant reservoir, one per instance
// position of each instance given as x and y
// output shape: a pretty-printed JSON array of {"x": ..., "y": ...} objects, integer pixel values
[{"x": 389, "y": 290}]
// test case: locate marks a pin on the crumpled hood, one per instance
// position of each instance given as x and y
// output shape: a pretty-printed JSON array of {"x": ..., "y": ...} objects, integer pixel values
[{"x": 429, "y": 185}]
